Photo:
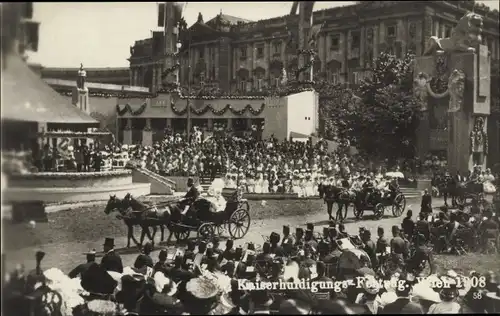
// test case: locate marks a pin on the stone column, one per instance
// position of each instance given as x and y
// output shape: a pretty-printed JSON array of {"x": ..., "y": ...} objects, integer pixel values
[
  {"x": 210, "y": 123},
  {"x": 135, "y": 72},
  {"x": 147, "y": 134},
  {"x": 229, "y": 123},
  {"x": 169, "y": 122},
  {"x": 127, "y": 132},
  {"x": 130, "y": 77}
]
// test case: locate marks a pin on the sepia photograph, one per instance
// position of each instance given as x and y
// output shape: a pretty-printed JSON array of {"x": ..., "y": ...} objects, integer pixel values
[{"x": 238, "y": 158}]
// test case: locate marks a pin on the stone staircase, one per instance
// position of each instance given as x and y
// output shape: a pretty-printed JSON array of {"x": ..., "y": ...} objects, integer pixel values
[{"x": 411, "y": 193}]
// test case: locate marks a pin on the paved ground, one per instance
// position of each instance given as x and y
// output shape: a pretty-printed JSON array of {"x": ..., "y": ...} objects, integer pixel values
[{"x": 77, "y": 239}]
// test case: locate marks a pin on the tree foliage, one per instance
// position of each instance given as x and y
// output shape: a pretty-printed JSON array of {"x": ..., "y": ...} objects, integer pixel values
[{"x": 380, "y": 117}]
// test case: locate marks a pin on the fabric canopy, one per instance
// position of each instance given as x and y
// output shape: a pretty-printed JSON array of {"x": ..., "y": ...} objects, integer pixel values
[{"x": 26, "y": 97}]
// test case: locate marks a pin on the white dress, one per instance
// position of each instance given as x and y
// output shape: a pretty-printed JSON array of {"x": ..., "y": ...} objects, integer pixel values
[
  {"x": 251, "y": 186},
  {"x": 258, "y": 186},
  {"x": 302, "y": 188},
  {"x": 488, "y": 186},
  {"x": 265, "y": 186},
  {"x": 309, "y": 188}
]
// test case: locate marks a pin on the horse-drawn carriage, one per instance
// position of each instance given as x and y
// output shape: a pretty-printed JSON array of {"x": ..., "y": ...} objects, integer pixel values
[
  {"x": 377, "y": 200},
  {"x": 208, "y": 221}
]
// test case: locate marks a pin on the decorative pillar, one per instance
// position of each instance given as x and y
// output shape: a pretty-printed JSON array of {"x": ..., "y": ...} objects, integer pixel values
[
  {"x": 229, "y": 123},
  {"x": 169, "y": 122},
  {"x": 127, "y": 132},
  {"x": 135, "y": 75},
  {"x": 210, "y": 123},
  {"x": 147, "y": 134}
]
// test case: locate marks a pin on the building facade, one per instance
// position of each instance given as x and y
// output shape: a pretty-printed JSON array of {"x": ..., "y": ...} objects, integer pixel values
[{"x": 241, "y": 57}]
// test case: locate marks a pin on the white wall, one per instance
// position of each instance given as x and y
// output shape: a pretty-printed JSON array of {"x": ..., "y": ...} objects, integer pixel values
[
  {"x": 276, "y": 118},
  {"x": 302, "y": 113}
]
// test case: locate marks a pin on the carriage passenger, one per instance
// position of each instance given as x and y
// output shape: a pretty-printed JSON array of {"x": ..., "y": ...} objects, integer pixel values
[{"x": 191, "y": 195}]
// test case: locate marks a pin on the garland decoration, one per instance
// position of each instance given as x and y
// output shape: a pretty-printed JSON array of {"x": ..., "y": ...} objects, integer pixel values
[
  {"x": 107, "y": 95},
  {"x": 70, "y": 175},
  {"x": 170, "y": 70},
  {"x": 218, "y": 112},
  {"x": 479, "y": 136},
  {"x": 307, "y": 52},
  {"x": 68, "y": 133},
  {"x": 128, "y": 108}
]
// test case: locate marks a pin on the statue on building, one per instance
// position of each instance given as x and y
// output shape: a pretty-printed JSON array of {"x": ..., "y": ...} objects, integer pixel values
[
  {"x": 465, "y": 37},
  {"x": 80, "y": 83},
  {"x": 200, "y": 18}
]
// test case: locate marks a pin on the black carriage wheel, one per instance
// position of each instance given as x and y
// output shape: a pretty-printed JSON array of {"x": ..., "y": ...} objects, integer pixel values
[
  {"x": 239, "y": 223},
  {"x": 206, "y": 231},
  {"x": 379, "y": 211},
  {"x": 181, "y": 234},
  {"x": 399, "y": 205},
  {"x": 244, "y": 205},
  {"x": 220, "y": 229},
  {"x": 358, "y": 211}
]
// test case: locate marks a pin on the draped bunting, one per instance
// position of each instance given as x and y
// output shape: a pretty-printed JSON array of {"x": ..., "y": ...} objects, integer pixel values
[
  {"x": 127, "y": 108},
  {"x": 218, "y": 111}
]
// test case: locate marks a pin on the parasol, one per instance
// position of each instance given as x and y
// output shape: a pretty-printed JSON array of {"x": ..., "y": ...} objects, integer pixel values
[{"x": 395, "y": 174}]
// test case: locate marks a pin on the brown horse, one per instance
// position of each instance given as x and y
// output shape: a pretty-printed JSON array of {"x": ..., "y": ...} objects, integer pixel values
[{"x": 135, "y": 213}]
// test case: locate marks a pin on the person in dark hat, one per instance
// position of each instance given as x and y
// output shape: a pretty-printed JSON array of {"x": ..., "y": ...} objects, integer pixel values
[
  {"x": 286, "y": 233},
  {"x": 408, "y": 225},
  {"x": 422, "y": 226},
  {"x": 190, "y": 250},
  {"x": 299, "y": 236},
  {"x": 191, "y": 195},
  {"x": 215, "y": 245},
  {"x": 421, "y": 256},
  {"x": 111, "y": 261},
  {"x": 310, "y": 226},
  {"x": 369, "y": 247},
  {"x": 180, "y": 273},
  {"x": 382, "y": 243},
  {"x": 144, "y": 259},
  {"x": 133, "y": 287},
  {"x": 426, "y": 203},
  {"x": 274, "y": 240},
  {"x": 162, "y": 265},
  {"x": 80, "y": 269},
  {"x": 399, "y": 251},
  {"x": 264, "y": 259},
  {"x": 310, "y": 241},
  {"x": 228, "y": 253}
]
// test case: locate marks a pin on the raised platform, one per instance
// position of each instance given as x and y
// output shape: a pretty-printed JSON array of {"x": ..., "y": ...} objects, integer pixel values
[{"x": 49, "y": 187}]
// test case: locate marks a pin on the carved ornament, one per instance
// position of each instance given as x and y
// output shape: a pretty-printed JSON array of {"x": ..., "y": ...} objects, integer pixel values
[
  {"x": 456, "y": 87},
  {"x": 478, "y": 137}
]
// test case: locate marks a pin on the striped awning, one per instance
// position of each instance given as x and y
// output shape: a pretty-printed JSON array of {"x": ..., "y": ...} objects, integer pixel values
[{"x": 27, "y": 98}]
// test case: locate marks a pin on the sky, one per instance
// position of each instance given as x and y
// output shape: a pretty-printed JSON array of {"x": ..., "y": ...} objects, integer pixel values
[{"x": 100, "y": 34}]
